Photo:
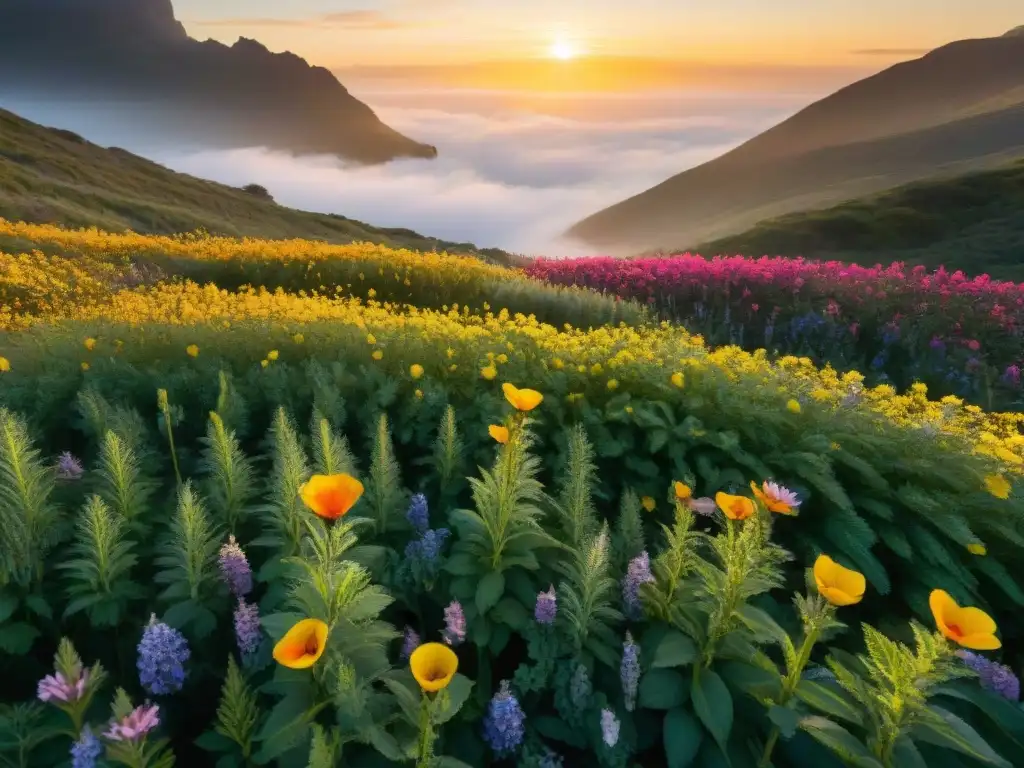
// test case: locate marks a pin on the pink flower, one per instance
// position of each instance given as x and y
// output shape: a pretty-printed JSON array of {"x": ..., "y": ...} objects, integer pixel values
[
  {"x": 137, "y": 723},
  {"x": 973, "y": 345},
  {"x": 56, "y": 687}
]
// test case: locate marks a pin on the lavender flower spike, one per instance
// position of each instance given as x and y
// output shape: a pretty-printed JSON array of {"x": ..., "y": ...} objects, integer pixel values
[
  {"x": 503, "y": 726},
  {"x": 136, "y": 724},
  {"x": 234, "y": 568},
  {"x": 455, "y": 623},
  {"x": 68, "y": 467},
  {"x": 418, "y": 515},
  {"x": 55, "y": 687},
  {"x": 410, "y": 643},
  {"x": 162, "y": 655},
  {"x": 993, "y": 676},
  {"x": 638, "y": 572},
  {"x": 247, "y": 627},
  {"x": 629, "y": 672},
  {"x": 547, "y": 607},
  {"x": 609, "y": 727},
  {"x": 86, "y": 750}
]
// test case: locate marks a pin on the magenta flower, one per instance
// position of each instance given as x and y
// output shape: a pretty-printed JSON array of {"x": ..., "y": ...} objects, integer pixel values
[{"x": 136, "y": 724}]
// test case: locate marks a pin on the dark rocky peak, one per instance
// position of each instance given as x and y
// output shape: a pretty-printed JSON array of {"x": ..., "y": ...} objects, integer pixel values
[{"x": 91, "y": 21}]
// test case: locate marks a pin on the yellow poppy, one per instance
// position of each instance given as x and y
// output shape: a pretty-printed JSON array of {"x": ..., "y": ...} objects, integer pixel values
[
  {"x": 371, "y": 339},
  {"x": 734, "y": 507},
  {"x": 298, "y": 338},
  {"x": 331, "y": 496},
  {"x": 377, "y": 355},
  {"x": 489, "y": 372},
  {"x": 418, "y": 394},
  {"x": 433, "y": 665},
  {"x": 613, "y": 384},
  {"x": 522, "y": 399},
  {"x": 793, "y": 406},
  {"x": 683, "y": 491},
  {"x": 85, "y": 366},
  {"x": 970, "y": 627},
  {"x": 5, "y": 365},
  {"x": 264, "y": 363},
  {"x": 648, "y": 503},
  {"x": 977, "y": 548},
  {"x": 998, "y": 486},
  {"x": 839, "y": 585},
  {"x": 272, "y": 355},
  {"x": 192, "y": 350},
  {"x": 416, "y": 370},
  {"x": 303, "y": 645},
  {"x": 678, "y": 380},
  {"x": 500, "y": 434},
  {"x": 90, "y": 344}
]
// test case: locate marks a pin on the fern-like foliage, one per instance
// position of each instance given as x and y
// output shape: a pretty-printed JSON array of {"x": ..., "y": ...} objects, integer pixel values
[
  {"x": 575, "y": 503},
  {"x": 673, "y": 565},
  {"x": 150, "y": 752},
  {"x": 99, "y": 416},
  {"x": 629, "y": 530},
  {"x": 324, "y": 749},
  {"x": 229, "y": 473},
  {"x": 123, "y": 486},
  {"x": 331, "y": 452},
  {"x": 22, "y": 732},
  {"x": 284, "y": 513},
  {"x": 587, "y": 598},
  {"x": 231, "y": 406},
  {"x": 385, "y": 496},
  {"x": 504, "y": 529},
  {"x": 238, "y": 712},
  {"x": 28, "y": 520},
  {"x": 449, "y": 455},
  {"x": 98, "y": 572},
  {"x": 188, "y": 563}
]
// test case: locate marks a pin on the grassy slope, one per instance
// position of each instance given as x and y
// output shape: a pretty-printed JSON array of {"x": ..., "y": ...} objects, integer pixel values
[
  {"x": 973, "y": 222},
  {"x": 49, "y": 175}
]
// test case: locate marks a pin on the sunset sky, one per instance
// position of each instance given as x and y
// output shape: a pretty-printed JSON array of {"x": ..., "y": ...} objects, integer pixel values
[{"x": 836, "y": 33}]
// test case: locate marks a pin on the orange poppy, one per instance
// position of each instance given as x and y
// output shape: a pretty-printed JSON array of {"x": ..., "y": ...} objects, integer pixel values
[{"x": 331, "y": 496}]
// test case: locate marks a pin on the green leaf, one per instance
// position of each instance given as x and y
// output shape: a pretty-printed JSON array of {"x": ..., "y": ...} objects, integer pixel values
[
  {"x": 905, "y": 754},
  {"x": 511, "y": 613},
  {"x": 847, "y": 746},
  {"x": 1009, "y": 718},
  {"x": 451, "y": 762},
  {"x": 8, "y": 605},
  {"x": 462, "y": 564},
  {"x": 489, "y": 591},
  {"x": 763, "y": 626},
  {"x": 713, "y": 705},
  {"x": 663, "y": 689},
  {"x": 458, "y": 691},
  {"x": 682, "y": 737},
  {"x": 785, "y": 719},
  {"x": 407, "y": 699},
  {"x": 830, "y": 699},
  {"x": 17, "y": 637},
  {"x": 953, "y": 733},
  {"x": 38, "y": 605},
  {"x": 751, "y": 680},
  {"x": 674, "y": 650}
]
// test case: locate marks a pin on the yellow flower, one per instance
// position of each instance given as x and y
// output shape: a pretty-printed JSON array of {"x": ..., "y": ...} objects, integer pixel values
[
  {"x": 371, "y": 339},
  {"x": 85, "y": 366},
  {"x": 734, "y": 507},
  {"x": 683, "y": 491},
  {"x": 377, "y": 354},
  {"x": 776, "y": 498},
  {"x": 264, "y": 363},
  {"x": 298, "y": 338},
  {"x": 331, "y": 496},
  {"x": 839, "y": 585},
  {"x": 416, "y": 370},
  {"x": 433, "y": 665},
  {"x": 998, "y": 486},
  {"x": 977, "y": 548},
  {"x": 648, "y": 503},
  {"x": 629, "y": 409},
  {"x": 613, "y": 384},
  {"x": 272, "y": 355},
  {"x": 970, "y": 627},
  {"x": 498, "y": 433},
  {"x": 489, "y": 372},
  {"x": 90, "y": 344},
  {"x": 502, "y": 358},
  {"x": 372, "y": 292},
  {"x": 192, "y": 350},
  {"x": 522, "y": 399},
  {"x": 450, "y": 353},
  {"x": 5, "y": 365},
  {"x": 793, "y": 406},
  {"x": 303, "y": 645},
  {"x": 453, "y": 367},
  {"x": 418, "y": 394},
  {"x": 678, "y": 380}
]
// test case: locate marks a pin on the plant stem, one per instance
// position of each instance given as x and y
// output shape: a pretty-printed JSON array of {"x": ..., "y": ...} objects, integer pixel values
[{"x": 788, "y": 687}]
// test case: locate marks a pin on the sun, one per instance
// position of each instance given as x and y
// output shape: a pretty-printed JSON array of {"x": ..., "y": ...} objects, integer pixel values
[{"x": 563, "y": 50}]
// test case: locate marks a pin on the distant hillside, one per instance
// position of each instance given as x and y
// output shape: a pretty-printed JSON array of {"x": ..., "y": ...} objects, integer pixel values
[
  {"x": 973, "y": 222},
  {"x": 50, "y": 175},
  {"x": 132, "y": 61},
  {"x": 957, "y": 109}
]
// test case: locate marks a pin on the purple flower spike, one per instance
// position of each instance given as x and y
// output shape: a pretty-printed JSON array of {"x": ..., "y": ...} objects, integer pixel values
[
  {"x": 638, "y": 572},
  {"x": 993, "y": 676},
  {"x": 68, "y": 467},
  {"x": 234, "y": 568},
  {"x": 629, "y": 671},
  {"x": 418, "y": 514},
  {"x": 503, "y": 726},
  {"x": 247, "y": 627},
  {"x": 454, "y": 623},
  {"x": 86, "y": 750},
  {"x": 547, "y": 607},
  {"x": 410, "y": 643},
  {"x": 609, "y": 727},
  {"x": 162, "y": 655},
  {"x": 136, "y": 724}
]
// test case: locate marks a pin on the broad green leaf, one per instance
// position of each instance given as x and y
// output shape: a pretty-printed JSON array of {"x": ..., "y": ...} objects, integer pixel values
[
  {"x": 713, "y": 704},
  {"x": 462, "y": 564},
  {"x": 663, "y": 689},
  {"x": 905, "y": 754},
  {"x": 407, "y": 699},
  {"x": 511, "y": 613},
  {"x": 763, "y": 626},
  {"x": 1007, "y": 716},
  {"x": 843, "y": 743},
  {"x": 674, "y": 650},
  {"x": 751, "y": 680},
  {"x": 489, "y": 591},
  {"x": 16, "y": 638},
  {"x": 830, "y": 699},
  {"x": 458, "y": 691},
  {"x": 785, "y": 719},
  {"x": 682, "y": 737},
  {"x": 8, "y": 605},
  {"x": 953, "y": 733}
]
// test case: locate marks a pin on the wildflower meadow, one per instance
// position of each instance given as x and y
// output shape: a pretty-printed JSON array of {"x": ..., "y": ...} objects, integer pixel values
[{"x": 295, "y": 504}]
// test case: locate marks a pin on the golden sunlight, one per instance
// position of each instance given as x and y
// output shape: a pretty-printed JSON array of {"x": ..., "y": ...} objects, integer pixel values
[{"x": 562, "y": 49}]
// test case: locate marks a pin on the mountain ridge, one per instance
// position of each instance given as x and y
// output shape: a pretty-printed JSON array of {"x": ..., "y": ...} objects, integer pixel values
[
  {"x": 962, "y": 91},
  {"x": 137, "y": 60}
]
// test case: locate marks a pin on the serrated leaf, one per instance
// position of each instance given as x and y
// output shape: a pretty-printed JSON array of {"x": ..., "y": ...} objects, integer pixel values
[
  {"x": 953, "y": 733},
  {"x": 832, "y": 735},
  {"x": 830, "y": 699}
]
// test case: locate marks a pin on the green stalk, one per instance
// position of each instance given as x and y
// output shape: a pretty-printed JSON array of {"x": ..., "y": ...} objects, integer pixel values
[
  {"x": 788, "y": 688},
  {"x": 161, "y": 399}
]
